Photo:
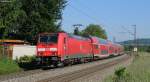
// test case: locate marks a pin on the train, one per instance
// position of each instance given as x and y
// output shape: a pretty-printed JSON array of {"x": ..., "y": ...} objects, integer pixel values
[{"x": 59, "y": 49}]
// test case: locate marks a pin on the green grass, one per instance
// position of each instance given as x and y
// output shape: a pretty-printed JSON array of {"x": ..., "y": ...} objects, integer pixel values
[
  {"x": 138, "y": 71},
  {"x": 8, "y": 66}
]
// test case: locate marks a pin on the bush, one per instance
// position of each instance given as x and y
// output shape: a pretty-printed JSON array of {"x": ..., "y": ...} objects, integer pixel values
[
  {"x": 120, "y": 72},
  {"x": 28, "y": 62},
  {"x": 26, "y": 59},
  {"x": 148, "y": 49},
  {"x": 121, "y": 75}
]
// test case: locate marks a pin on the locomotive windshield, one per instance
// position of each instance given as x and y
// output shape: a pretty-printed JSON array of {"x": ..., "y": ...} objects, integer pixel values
[{"x": 48, "y": 38}]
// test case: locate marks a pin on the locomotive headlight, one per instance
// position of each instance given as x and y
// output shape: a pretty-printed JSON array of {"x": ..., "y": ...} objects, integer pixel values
[
  {"x": 53, "y": 49},
  {"x": 41, "y": 49}
]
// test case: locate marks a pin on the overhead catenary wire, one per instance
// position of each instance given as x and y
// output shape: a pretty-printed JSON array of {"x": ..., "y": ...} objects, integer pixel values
[
  {"x": 92, "y": 11},
  {"x": 88, "y": 8},
  {"x": 83, "y": 13},
  {"x": 127, "y": 30},
  {"x": 78, "y": 10}
]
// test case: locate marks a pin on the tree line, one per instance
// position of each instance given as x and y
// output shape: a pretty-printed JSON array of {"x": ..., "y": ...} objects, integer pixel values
[
  {"x": 25, "y": 19},
  {"x": 140, "y": 48},
  {"x": 92, "y": 29}
]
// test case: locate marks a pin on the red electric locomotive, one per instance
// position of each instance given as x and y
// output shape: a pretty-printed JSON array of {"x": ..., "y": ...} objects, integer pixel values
[{"x": 57, "y": 49}]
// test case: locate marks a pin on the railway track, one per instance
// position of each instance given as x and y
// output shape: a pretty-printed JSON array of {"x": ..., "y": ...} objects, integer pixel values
[
  {"x": 65, "y": 74},
  {"x": 80, "y": 73}
]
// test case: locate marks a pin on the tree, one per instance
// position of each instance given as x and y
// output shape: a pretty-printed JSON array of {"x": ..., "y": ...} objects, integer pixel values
[
  {"x": 27, "y": 18},
  {"x": 94, "y": 30},
  {"x": 148, "y": 49}
]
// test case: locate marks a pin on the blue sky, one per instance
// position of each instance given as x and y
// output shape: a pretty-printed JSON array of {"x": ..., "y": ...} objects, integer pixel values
[{"x": 112, "y": 15}]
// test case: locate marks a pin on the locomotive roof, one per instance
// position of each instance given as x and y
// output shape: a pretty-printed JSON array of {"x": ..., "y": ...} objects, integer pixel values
[{"x": 77, "y": 37}]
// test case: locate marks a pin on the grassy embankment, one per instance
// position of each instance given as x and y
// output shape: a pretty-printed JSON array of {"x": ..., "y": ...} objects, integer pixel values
[
  {"x": 8, "y": 66},
  {"x": 138, "y": 71}
]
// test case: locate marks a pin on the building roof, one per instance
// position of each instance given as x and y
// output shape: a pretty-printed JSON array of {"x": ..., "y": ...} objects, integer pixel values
[{"x": 14, "y": 41}]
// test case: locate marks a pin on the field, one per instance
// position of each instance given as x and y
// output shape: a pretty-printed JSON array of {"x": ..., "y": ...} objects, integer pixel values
[
  {"x": 138, "y": 71},
  {"x": 8, "y": 66}
]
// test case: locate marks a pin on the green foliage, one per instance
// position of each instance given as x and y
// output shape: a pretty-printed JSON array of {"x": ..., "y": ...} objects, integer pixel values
[
  {"x": 26, "y": 59},
  {"x": 8, "y": 66},
  {"x": 95, "y": 30},
  {"x": 140, "y": 48},
  {"x": 27, "y": 18},
  {"x": 138, "y": 71},
  {"x": 148, "y": 49},
  {"x": 120, "y": 72},
  {"x": 128, "y": 48}
]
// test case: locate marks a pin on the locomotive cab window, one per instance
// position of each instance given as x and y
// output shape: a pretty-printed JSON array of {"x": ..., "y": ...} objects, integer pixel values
[{"x": 49, "y": 38}]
